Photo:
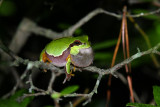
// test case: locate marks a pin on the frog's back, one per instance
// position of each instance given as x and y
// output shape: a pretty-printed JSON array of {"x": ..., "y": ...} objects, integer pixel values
[{"x": 58, "y": 46}]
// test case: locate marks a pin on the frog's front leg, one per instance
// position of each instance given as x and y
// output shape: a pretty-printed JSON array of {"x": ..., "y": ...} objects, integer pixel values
[
  {"x": 68, "y": 72},
  {"x": 45, "y": 59}
]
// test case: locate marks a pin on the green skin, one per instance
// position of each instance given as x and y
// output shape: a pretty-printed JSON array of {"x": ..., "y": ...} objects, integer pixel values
[{"x": 58, "y": 46}]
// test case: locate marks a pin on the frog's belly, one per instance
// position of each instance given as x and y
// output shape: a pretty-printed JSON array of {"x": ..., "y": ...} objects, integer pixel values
[{"x": 59, "y": 61}]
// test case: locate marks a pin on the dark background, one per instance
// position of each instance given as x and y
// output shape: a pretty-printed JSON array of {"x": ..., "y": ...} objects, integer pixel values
[{"x": 56, "y": 15}]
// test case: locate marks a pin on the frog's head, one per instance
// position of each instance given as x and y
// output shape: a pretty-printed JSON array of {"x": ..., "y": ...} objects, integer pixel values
[
  {"x": 78, "y": 44},
  {"x": 81, "y": 52}
]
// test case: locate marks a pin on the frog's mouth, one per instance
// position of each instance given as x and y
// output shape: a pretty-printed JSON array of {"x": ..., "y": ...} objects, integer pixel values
[{"x": 84, "y": 58}]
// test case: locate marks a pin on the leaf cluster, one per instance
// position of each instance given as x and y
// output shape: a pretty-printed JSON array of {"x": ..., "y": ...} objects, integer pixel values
[
  {"x": 156, "y": 94},
  {"x": 13, "y": 100}
]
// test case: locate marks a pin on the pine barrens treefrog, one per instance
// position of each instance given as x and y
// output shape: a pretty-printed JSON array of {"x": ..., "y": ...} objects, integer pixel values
[{"x": 68, "y": 50}]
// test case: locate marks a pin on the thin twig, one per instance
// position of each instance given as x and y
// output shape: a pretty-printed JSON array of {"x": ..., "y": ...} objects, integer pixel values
[
  {"x": 1, "y": 2},
  {"x": 7, "y": 50},
  {"x": 86, "y": 18},
  {"x": 21, "y": 36},
  {"x": 18, "y": 82},
  {"x": 56, "y": 103},
  {"x": 48, "y": 33},
  {"x": 144, "y": 14},
  {"x": 146, "y": 38},
  {"x": 32, "y": 87},
  {"x": 53, "y": 76},
  {"x": 133, "y": 57},
  {"x": 94, "y": 90},
  {"x": 88, "y": 96},
  {"x": 30, "y": 95},
  {"x": 79, "y": 100}
]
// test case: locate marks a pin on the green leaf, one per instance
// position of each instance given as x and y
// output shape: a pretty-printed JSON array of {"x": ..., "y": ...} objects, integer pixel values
[
  {"x": 102, "y": 55},
  {"x": 157, "y": 28},
  {"x": 156, "y": 94},
  {"x": 104, "y": 45},
  {"x": 11, "y": 102},
  {"x": 63, "y": 26},
  {"x": 48, "y": 106},
  {"x": 55, "y": 95},
  {"x": 69, "y": 89},
  {"x": 65, "y": 91},
  {"x": 7, "y": 8},
  {"x": 78, "y": 31},
  {"x": 140, "y": 105}
]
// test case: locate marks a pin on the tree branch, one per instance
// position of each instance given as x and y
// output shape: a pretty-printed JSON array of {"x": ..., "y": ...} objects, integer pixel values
[
  {"x": 69, "y": 32},
  {"x": 27, "y": 27},
  {"x": 53, "y": 76},
  {"x": 101, "y": 72},
  {"x": 144, "y": 14}
]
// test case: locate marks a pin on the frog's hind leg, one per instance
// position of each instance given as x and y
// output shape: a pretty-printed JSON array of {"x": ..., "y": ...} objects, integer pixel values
[{"x": 68, "y": 76}]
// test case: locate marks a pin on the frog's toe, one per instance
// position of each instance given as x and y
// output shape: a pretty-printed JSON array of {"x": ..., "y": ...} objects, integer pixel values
[
  {"x": 74, "y": 69},
  {"x": 44, "y": 70},
  {"x": 72, "y": 74},
  {"x": 67, "y": 78}
]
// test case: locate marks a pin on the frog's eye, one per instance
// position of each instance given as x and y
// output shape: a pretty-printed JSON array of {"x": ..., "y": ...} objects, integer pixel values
[{"x": 77, "y": 42}]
